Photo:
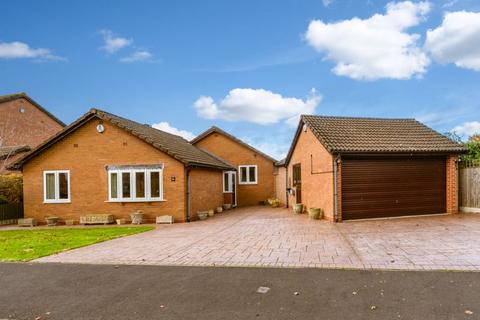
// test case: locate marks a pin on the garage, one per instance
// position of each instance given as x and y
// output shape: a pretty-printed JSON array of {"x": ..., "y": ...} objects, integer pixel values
[
  {"x": 390, "y": 186},
  {"x": 362, "y": 168}
]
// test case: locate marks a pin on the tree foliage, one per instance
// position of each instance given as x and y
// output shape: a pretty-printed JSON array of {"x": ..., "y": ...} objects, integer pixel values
[
  {"x": 11, "y": 188},
  {"x": 473, "y": 146}
]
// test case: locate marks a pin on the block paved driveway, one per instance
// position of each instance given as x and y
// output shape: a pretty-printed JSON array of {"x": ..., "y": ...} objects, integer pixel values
[{"x": 263, "y": 236}]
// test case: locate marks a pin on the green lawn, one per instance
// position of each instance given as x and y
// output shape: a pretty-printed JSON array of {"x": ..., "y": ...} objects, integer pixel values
[{"x": 25, "y": 245}]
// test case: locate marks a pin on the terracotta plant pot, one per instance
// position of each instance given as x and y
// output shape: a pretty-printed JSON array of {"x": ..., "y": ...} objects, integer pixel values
[
  {"x": 51, "y": 221},
  {"x": 315, "y": 213},
  {"x": 227, "y": 206},
  {"x": 298, "y": 208},
  {"x": 211, "y": 213},
  {"x": 219, "y": 209}
]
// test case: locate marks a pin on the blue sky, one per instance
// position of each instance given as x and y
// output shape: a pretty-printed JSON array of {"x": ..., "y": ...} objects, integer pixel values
[{"x": 249, "y": 67}]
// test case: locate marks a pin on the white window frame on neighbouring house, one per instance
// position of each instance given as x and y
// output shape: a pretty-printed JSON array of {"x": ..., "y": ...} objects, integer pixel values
[
  {"x": 147, "y": 183},
  {"x": 56, "y": 181},
  {"x": 247, "y": 168}
]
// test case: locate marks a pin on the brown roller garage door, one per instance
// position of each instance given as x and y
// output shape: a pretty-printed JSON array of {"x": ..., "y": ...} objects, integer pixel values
[{"x": 389, "y": 187}]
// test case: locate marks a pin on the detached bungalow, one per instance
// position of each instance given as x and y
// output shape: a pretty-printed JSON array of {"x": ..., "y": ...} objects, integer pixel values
[
  {"x": 103, "y": 163},
  {"x": 255, "y": 181},
  {"x": 356, "y": 168}
]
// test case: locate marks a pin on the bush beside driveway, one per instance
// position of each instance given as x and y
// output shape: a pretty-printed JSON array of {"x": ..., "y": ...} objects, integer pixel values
[{"x": 268, "y": 237}]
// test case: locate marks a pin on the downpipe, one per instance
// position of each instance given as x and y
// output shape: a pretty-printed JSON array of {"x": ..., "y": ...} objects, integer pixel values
[{"x": 335, "y": 186}]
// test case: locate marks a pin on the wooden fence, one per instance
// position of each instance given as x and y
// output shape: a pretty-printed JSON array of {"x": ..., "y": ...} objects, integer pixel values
[
  {"x": 469, "y": 186},
  {"x": 10, "y": 213}
]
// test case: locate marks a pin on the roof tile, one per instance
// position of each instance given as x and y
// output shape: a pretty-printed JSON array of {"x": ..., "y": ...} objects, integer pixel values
[{"x": 349, "y": 134}]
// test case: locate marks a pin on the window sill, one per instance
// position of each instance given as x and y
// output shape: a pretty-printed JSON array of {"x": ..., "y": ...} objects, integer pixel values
[
  {"x": 57, "y": 202},
  {"x": 227, "y": 191},
  {"x": 135, "y": 201},
  {"x": 247, "y": 183}
]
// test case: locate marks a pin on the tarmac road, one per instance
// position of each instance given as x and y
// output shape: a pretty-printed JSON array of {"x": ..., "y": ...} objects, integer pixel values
[{"x": 63, "y": 291}]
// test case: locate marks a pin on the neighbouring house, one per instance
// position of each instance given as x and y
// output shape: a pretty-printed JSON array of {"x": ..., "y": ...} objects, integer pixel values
[
  {"x": 24, "y": 124},
  {"x": 255, "y": 169},
  {"x": 280, "y": 173},
  {"x": 106, "y": 164},
  {"x": 356, "y": 168}
]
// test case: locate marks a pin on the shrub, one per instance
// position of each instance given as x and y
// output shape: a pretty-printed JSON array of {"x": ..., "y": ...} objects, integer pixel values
[{"x": 11, "y": 188}]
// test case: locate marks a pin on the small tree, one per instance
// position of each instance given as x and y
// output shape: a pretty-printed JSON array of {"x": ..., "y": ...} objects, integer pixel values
[
  {"x": 473, "y": 146},
  {"x": 11, "y": 188}
]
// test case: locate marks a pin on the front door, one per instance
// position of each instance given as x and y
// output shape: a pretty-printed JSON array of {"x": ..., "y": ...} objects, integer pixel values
[
  {"x": 297, "y": 182},
  {"x": 230, "y": 186},
  {"x": 234, "y": 188}
]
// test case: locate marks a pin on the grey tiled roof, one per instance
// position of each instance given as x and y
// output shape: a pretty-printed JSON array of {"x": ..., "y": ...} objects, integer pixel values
[
  {"x": 173, "y": 145},
  {"x": 376, "y": 135}
]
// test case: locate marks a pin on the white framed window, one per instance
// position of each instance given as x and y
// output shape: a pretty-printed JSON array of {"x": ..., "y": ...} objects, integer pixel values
[
  {"x": 248, "y": 174},
  {"x": 56, "y": 186},
  {"x": 135, "y": 184}
]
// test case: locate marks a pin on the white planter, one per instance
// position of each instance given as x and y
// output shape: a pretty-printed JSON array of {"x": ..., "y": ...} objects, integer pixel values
[
  {"x": 164, "y": 219},
  {"x": 136, "y": 217}
]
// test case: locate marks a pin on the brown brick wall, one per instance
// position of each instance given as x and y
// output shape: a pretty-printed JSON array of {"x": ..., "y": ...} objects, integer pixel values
[
  {"x": 316, "y": 175},
  {"x": 206, "y": 190},
  {"x": 28, "y": 128},
  {"x": 237, "y": 154},
  {"x": 281, "y": 185},
  {"x": 452, "y": 184},
  {"x": 89, "y": 182}
]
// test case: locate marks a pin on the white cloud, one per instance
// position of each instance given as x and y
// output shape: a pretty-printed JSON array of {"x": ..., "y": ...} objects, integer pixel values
[
  {"x": 467, "y": 129},
  {"x": 138, "y": 56},
  {"x": 374, "y": 48},
  {"x": 165, "y": 126},
  {"x": 19, "y": 50},
  {"x": 326, "y": 3},
  {"x": 456, "y": 40},
  {"x": 113, "y": 43},
  {"x": 258, "y": 106},
  {"x": 449, "y": 4},
  {"x": 276, "y": 150}
]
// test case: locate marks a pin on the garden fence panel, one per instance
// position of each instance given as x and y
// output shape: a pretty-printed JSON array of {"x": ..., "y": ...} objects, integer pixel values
[{"x": 10, "y": 213}]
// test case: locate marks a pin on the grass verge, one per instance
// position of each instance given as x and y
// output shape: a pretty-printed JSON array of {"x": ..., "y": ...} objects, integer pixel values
[{"x": 26, "y": 245}]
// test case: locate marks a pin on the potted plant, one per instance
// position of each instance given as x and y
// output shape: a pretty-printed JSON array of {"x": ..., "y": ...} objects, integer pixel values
[
  {"x": 298, "y": 208},
  {"x": 51, "y": 221},
  {"x": 275, "y": 203},
  {"x": 219, "y": 209},
  {"x": 202, "y": 215},
  {"x": 315, "y": 213},
  {"x": 227, "y": 206},
  {"x": 136, "y": 217},
  {"x": 211, "y": 213}
]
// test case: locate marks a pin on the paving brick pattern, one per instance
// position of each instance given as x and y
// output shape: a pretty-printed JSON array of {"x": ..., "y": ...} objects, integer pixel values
[{"x": 267, "y": 237}]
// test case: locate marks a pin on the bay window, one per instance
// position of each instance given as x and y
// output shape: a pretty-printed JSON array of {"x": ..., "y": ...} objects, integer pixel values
[{"x": 135, "y": 183}]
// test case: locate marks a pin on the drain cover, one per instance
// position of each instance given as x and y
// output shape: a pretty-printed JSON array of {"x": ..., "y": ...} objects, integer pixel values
[{"x": 263, "y": 289}]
